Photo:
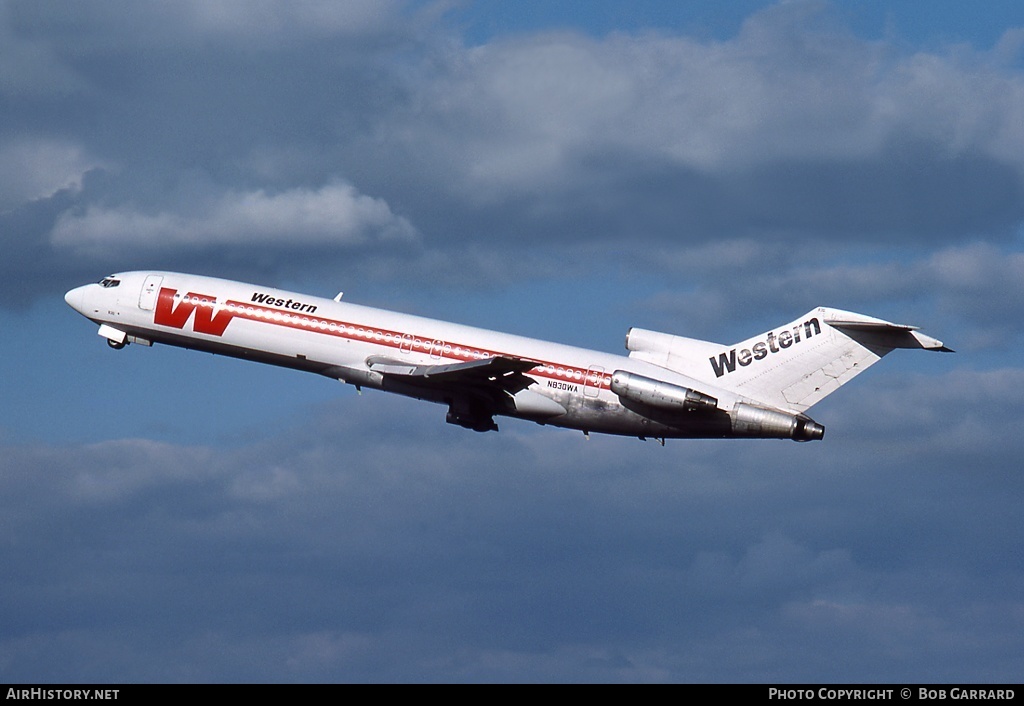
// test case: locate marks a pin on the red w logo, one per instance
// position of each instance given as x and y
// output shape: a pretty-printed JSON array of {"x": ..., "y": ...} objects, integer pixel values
[{"x": 167, "y": 314}]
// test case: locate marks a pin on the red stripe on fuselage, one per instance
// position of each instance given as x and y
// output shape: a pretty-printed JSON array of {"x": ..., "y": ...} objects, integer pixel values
[{"x": 212, "y": 322}]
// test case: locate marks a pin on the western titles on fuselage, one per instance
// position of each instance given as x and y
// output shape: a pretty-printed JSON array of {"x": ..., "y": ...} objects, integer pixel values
[{"x": 270, "y": 300}]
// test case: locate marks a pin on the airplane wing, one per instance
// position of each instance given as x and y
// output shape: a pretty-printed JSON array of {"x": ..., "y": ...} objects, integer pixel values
[
  {"x": 502, "y": 373},
  {"x": 474, "y": 390}
]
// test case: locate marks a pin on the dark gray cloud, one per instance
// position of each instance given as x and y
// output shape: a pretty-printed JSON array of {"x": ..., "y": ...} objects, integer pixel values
[
  {"x": 792, "y": 126},
  {"x": 432, "y": 554},
  {"x": 306, "y": 128},
  {"x": 974, "y": 290}
]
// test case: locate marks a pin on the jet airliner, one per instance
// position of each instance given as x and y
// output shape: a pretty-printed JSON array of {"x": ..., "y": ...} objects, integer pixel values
[{"x": 667, "y": 387}]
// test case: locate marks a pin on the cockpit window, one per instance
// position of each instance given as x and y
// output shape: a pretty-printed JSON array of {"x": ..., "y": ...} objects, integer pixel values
[{"x": 109, "y": 282}]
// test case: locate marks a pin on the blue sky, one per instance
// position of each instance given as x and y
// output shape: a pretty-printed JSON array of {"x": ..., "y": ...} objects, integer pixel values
[{"x": 559, "y": 170}]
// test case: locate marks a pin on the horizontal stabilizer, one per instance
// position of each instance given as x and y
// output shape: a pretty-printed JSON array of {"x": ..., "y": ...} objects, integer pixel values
[{"x": 899, "y": 335}]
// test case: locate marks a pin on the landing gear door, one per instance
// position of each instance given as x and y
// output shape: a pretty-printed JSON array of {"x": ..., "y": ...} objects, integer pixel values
[{"x": 150, "y": 289}]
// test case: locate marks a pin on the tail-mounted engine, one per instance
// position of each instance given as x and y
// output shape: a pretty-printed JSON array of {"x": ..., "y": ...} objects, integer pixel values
[
  {"x": 759, "y": 422},
  {"x": 658, "y": 393},
  {"x": 676, "y": 405}
]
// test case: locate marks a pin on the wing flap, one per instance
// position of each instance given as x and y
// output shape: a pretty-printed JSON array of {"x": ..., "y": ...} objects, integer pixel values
[
  {"x": 500, "y": 372},
  {"x": 488, "y": 370}
]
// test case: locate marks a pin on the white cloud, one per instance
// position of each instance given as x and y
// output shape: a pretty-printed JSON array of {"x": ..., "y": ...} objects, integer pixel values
[
  {"x": 525, "y": 113},
  {"x": 336, "y": 214}
]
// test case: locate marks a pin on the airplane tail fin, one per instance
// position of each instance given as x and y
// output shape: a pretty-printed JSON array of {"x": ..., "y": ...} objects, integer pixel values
[{"x": 792, "y": 367}]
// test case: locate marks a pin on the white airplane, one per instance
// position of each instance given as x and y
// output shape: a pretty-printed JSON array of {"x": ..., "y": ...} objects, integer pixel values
[{"x": 668, "y": 387}]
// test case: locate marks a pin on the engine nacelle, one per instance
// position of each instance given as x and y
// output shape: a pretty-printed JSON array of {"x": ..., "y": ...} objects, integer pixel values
[
  {"x": 759, "y": 422},
  {"x": 658, "y": 393}
]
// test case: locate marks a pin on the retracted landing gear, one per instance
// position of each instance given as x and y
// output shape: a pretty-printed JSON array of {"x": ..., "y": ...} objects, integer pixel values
[
  {"x": 470, "y": 416},
  {"x": 476, "y": 423}
]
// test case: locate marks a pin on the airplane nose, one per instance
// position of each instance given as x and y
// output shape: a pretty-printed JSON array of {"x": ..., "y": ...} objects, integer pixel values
[{"x": 74, "y": 298}]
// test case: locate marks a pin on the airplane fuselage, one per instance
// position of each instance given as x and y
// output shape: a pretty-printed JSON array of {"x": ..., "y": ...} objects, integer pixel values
[
  {"x": 668, "y": 387},
  {"x": 336, "y": 338}
]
